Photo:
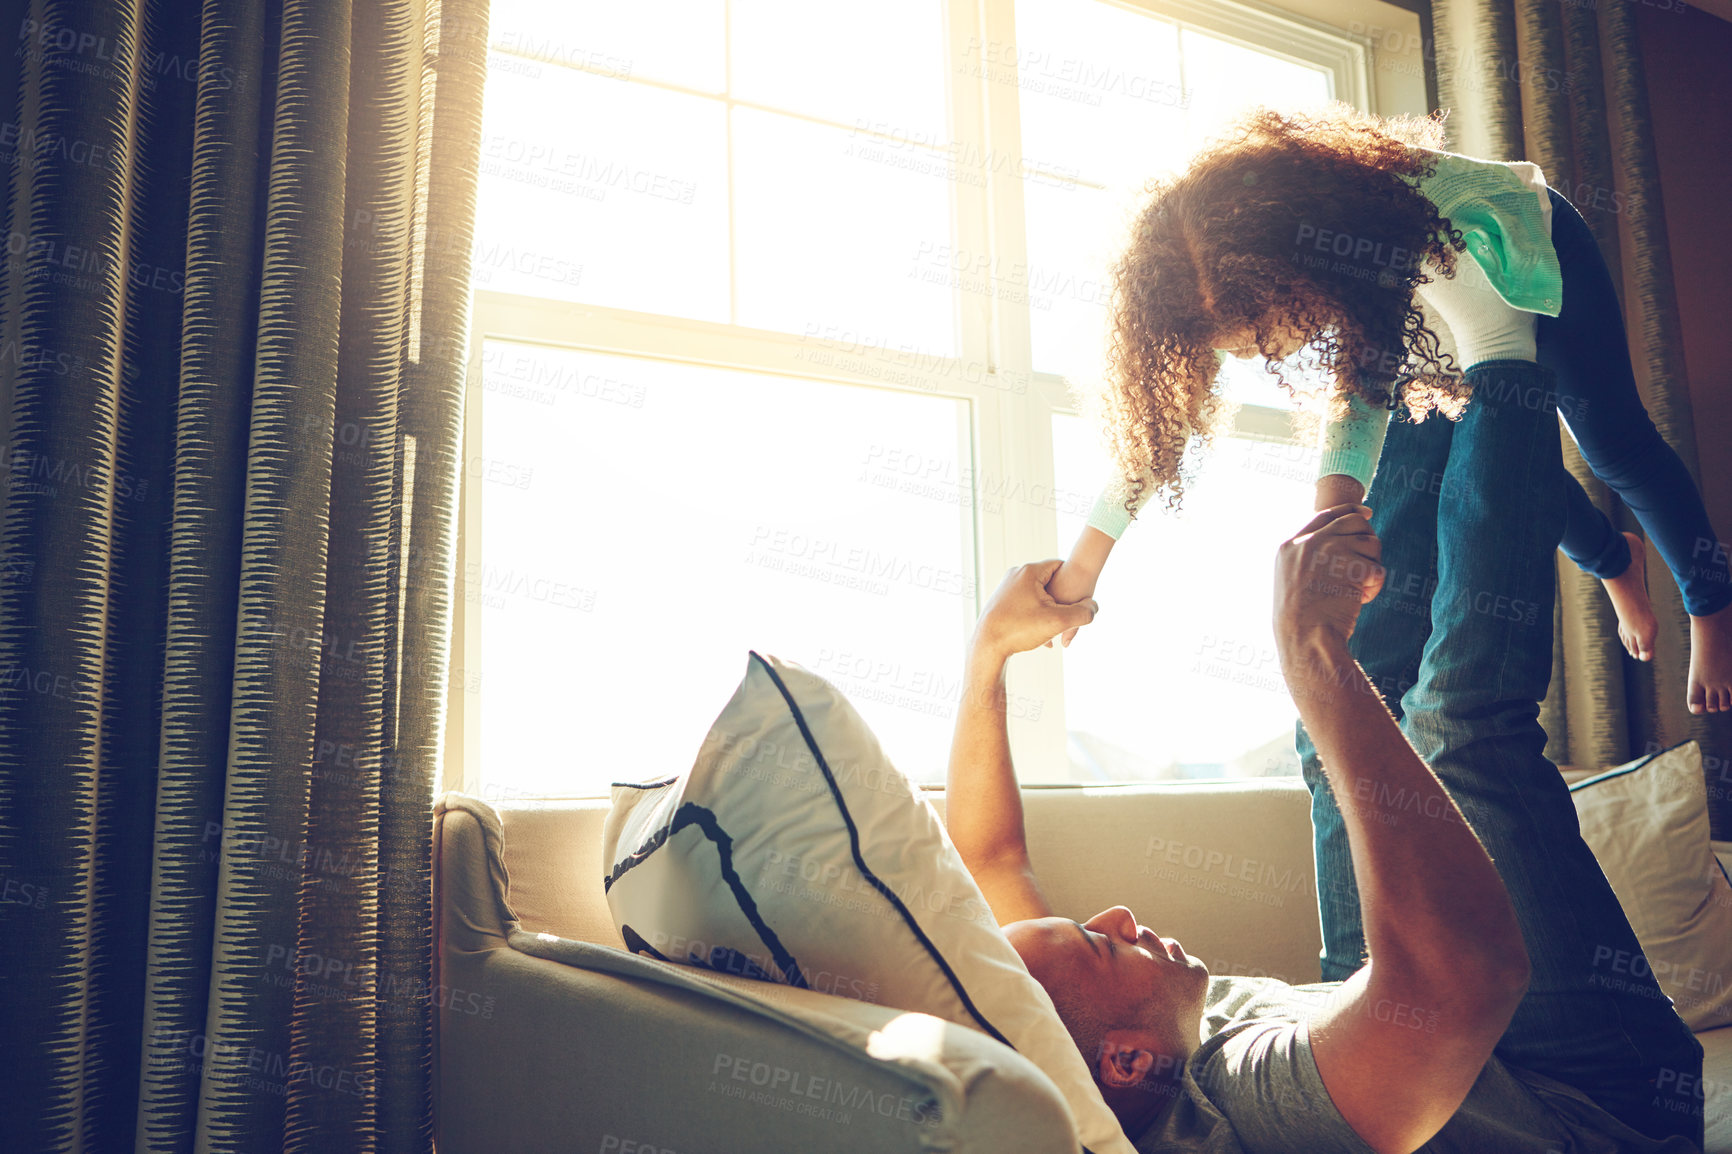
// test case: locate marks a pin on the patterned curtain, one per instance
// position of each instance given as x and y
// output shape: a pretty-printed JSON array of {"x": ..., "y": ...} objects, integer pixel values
[
  {"x": 1562, "y": 85},
  {"x": 233, "y": 317}
]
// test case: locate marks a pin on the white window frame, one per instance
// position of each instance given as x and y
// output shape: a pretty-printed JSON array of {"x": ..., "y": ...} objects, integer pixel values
[{"x": 1011, "y": 407}]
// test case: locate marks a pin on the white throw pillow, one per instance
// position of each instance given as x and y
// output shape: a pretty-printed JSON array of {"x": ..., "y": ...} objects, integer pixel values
[
  {"x": 1647, "y": 823},
  {"x": 794, "y": 851}
]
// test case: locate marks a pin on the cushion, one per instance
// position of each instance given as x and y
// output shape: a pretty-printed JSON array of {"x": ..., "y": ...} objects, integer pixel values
[
  {"x": 1717, "y": 1088},
  {"x": 793, "y": 851},
  {"x": 1647, "y": 823}
]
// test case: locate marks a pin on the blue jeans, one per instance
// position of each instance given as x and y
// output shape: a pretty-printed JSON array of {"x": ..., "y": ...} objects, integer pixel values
[
  {"x": 1584, "y": 347},
  {"x": 1460, "y": 644}
]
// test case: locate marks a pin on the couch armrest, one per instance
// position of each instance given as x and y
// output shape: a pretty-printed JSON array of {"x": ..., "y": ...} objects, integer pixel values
[{"x": 548, "y": 1044}]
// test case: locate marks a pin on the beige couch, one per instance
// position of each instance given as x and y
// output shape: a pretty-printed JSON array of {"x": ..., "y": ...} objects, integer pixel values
[{"x": 550, "y": 1037}]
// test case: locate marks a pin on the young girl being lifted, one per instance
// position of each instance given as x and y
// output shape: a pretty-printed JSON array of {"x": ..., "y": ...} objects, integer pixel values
[{"x": 1338, "y": 233}]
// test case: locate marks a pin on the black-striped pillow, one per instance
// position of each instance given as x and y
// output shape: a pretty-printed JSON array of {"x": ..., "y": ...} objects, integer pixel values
[{"x": 795, "y": 852}]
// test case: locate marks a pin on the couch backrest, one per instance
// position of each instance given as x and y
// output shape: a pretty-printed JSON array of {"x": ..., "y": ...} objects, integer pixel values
[{"x": 1225, "y": 867}]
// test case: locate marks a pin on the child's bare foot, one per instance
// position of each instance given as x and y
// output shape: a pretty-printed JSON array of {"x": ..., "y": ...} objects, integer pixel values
[
  {"x": 1637, "y": 625},
  {"x": 1711, "y": 662}
]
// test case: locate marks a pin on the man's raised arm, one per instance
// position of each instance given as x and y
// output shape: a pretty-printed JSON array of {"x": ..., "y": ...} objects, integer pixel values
[
  {"x": 983, "y": 809},
  {"x": 1403, "y": 1040}
]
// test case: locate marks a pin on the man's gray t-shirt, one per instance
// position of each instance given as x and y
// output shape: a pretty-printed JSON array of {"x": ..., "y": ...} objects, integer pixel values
[{"x": 1253, "y": 1088}]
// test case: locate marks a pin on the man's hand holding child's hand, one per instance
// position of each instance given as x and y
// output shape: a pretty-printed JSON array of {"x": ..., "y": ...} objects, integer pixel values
[
  {"x": 1023, "y": 614},
  {"x": 1069, "y": 585},
  {"x": 1323, "y": 574}
]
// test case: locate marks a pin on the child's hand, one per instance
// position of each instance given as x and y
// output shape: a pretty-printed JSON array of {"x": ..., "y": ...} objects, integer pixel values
[
  {"x": 1070, "y": 584},
  {"x": 1338, "y": 489}
]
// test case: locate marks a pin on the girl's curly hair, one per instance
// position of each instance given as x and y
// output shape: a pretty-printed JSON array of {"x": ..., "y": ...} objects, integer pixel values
[{"x": 1309, "y": 224}]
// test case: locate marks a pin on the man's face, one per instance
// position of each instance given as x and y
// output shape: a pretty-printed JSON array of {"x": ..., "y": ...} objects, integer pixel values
[{"x": 1125, "y": 971}]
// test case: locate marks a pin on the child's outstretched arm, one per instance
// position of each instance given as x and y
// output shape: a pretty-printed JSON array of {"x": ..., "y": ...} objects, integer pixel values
[
  {"x": 1338, "y": 489},
  {"x": 1351, "y": 447},
  {"x": 1350, "y": 451},
  {"x": 1076, "y": 578}
]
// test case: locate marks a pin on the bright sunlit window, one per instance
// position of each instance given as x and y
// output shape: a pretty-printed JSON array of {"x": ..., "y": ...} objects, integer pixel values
[{"x": 778, "y": 309}]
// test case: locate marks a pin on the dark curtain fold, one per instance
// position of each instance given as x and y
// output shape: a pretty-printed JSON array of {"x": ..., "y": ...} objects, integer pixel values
[
  {"x": 1563, "y": 85},
  {"x": 233, "y": 324}
]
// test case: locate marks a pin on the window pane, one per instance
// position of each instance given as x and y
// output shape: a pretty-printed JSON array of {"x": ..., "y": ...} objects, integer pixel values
[
  {"x": 596, "y": 189},
  {"x": 830, "y": 231},
  {"x": 647, "y": 523},
  {"x": 879, "y": 66},
  {"x": 1224, "y": 79},
  {"x": 1098, "y": 89},
  {"x": 1248, "y": 381},
  {"x": 677, "y": 41},
  {"x": 1074, "y": 236},
  {"x": 1110, "y": 99},
  {"x": 1184, "y": 681}
]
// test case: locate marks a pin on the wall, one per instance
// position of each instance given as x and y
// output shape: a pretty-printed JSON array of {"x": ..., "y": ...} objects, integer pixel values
[
  {"x": 1392, "y": 33},
  {"x": 1688, "y": 58}
]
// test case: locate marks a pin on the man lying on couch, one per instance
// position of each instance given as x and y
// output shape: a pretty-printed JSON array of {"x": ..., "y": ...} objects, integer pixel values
[{"x": 1405, "y": 1052}]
